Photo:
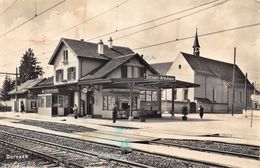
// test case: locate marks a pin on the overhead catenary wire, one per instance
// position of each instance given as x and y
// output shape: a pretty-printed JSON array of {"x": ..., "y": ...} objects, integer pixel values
[
  {"x": 6, "y": 9},
  {"x": 181, "y": 39},
  {"x": 153, "y": 20},
  {"x": 201, "y": 35},
  {"x": 170, "y": 21},
  {"x": 87, "y": 20},
  {"x": 139, "y": 24},
  {"x": 30, "y": 19}
]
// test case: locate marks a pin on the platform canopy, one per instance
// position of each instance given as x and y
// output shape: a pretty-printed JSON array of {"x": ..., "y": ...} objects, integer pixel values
[{"x": 149, "y": 81}]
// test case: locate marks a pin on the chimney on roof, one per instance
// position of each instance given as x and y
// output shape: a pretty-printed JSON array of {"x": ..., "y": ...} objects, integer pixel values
[
  {"x": 81, "y": 39},
  {"x": 110, "y": 42},
  {"x": 100, "y": 47}
]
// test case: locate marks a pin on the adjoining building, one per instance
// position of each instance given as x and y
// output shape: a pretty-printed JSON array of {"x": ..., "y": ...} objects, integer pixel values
[
  {"x": 23, "y": 95},
  {"x": 97, "y": 76},
  {"x": 214, "y": 78}
]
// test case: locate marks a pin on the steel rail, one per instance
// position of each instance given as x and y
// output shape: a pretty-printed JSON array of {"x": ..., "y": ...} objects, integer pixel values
[
  {"x": 207, "y": 150},
  {"x": 124, "y": 162},
  {"x": 116, "y": 147}
]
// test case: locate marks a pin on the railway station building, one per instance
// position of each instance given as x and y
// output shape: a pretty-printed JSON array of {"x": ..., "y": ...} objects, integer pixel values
[
  {"x": 23, "y": 96},
  {"x": 95, "y": 77}
]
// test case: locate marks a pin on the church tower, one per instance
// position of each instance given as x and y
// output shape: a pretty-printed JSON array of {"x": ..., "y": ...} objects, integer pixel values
[{"x": 196, "y": 45}]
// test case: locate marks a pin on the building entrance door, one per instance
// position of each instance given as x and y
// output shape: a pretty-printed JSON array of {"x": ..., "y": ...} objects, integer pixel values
[
  {"x": 89, "y": 103},
  {"x": 192, "y": 107},
  {"x": 54, "y": 105}
]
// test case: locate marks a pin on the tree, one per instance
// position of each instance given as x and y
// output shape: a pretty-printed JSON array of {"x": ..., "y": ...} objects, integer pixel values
[
  {"x": 8, "y": 85},
  {"x": 29, "y": 68}
]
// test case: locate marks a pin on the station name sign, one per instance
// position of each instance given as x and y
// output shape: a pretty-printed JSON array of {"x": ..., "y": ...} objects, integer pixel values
[
  {"x": 50, "y": 91},
  {"x": 159, "y": 77}
]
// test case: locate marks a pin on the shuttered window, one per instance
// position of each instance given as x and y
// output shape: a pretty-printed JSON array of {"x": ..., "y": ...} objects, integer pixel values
[
  {"x": 71, "y": 73},
  {"x": 59, "y": 75}
]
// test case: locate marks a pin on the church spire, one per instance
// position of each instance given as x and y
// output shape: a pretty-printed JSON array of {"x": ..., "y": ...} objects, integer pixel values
[{"x": 196, "y": 45}]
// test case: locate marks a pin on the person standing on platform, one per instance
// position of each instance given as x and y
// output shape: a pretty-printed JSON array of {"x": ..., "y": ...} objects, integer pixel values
[
  {"x": 201, "y": 111},
  {"x": 75, "y": 110},
  {"x": 22, "y": 106},
  {"x": 114, "y": 114}
]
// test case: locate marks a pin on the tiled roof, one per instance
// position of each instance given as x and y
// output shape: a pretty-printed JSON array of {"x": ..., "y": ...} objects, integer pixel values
[
  {"x": 109, "y": 67},
  {"x": 115, "y": 63},
  {"x": 162, "y": 68},
  {"x": 23, "y": 88},
  {"x": 215, "y": 68},
  {"x": 89, "y": 50},
  {"x": 47, "y": 82}
]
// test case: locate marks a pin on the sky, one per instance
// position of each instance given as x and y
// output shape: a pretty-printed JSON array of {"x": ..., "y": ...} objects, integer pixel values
[{"x": 87, "y": 19}]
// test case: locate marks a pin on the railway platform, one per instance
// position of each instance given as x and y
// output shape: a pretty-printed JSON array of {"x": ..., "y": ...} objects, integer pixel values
[{"x": 221, "y": 127}]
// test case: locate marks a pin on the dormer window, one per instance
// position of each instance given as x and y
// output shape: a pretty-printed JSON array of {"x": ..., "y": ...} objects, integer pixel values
[{"x": 65, "y": 56}]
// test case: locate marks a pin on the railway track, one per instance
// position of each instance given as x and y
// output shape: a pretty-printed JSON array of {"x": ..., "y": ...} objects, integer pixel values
[
  {"x": 10, "y": 157},
  {"x": 105, "y": 154},
  {"x": 62, "y": 155},
  {"x": 239, "y": 150}
]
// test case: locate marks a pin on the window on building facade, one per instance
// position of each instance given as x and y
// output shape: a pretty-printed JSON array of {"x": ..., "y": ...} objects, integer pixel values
[
  {"x": 124, "y": 71},
  {"x": 214, "y": 95},
  {"x": 60, "y": 101},
  {"x": 105, "y": 103},
  {"x": 185, "y": 94},
  {"x": 59, "y": 75},
  {"x": 33, "y": 105},
  {"x": 163, "y": 94},
  {"x": 148, "y": 96},
  {"x": 65, "y": 56},
  {"x": 48, "y": 101},
  {"x": 65, "y": 101},
  {"x": 41, "y": 101},
  {"x": 180, "y": 66},
  {"x": 71, "y": 73},
  {"x": 142, "y": 95},
  {"x": 108, "y": 102},
  {"x": 154, "y": 96}
]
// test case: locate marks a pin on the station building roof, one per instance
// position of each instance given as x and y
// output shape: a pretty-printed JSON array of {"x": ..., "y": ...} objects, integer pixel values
[{"x": 23, "y": 88}]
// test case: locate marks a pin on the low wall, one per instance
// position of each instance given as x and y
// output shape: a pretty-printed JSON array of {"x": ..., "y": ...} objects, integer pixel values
[
  {"x": 208, "y": 108},
  {"x": 45, "y": 111},
  {"x": 120, "y": 114},
  {"x": 248, "y": 113},
  {"x": 167, "y": 106}
]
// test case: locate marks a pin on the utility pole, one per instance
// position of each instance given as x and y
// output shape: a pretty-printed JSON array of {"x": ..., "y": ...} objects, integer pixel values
[
  {"x": 16, "y": 89},
  {"x": 233, "y": 82},
  {"x": 245, "y": 96},
  {"x": 253, "y": 103}
]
